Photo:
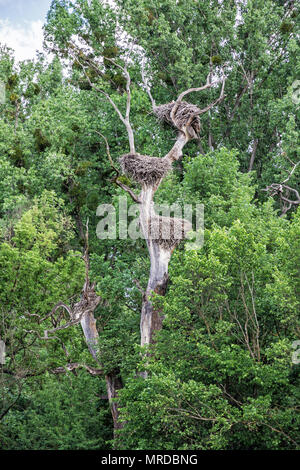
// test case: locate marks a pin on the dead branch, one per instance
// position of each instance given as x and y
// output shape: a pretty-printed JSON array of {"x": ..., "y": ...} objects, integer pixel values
[
  {"x": 74, "y": 366},
  {"x": 185, "y": 116},
  {"x": 126, "y": 118},
  {"x": 283, "y": 191},
  {"x": 62, "y": 327},
  {"x": 147, "y": 86},
  {"x": 191, "y": 90},
  {"x": 292, "y": 171},
  {"x": 116, "y": 180},
  {"x": 138, "y": 285},
  {"x": 85, "y": 306},
  {"x": 218, "y": 100},
  {"x": 253, "y": 154}
]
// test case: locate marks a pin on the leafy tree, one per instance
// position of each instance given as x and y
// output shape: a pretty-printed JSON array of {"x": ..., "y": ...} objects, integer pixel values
[
  {"x": 219, "y": 371},
  {"x": 50, "y": 415}
]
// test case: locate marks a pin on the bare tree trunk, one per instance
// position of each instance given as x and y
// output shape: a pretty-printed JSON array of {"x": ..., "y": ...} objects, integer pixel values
[
  {"x": 88, "y": 304},
  {"x": 150, "y": 318},
  {"x": 253, "y": 154},
  {"x": 183, "y": 117},
  {"x": 88, "y": 325},
  {"x": 113, "y": 385},
  {"x": 83, "y": 313},
  {"x": 159, "y": 259}
]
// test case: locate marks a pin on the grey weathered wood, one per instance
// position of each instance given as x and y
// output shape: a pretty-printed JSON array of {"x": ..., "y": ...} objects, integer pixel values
[
  {"x": 159, "y": 256},
  {"x": 84, "y": 310}
]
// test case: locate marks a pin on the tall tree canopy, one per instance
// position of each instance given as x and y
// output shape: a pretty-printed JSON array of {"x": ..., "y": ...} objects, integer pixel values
[{"x": 219, "y": 370}]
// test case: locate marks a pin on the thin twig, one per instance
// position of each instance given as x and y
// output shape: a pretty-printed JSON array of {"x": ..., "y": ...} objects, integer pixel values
[{"x": 116, "y": 180}]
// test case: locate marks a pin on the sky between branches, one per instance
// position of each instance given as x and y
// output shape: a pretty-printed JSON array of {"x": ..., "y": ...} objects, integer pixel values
[{"x": 21, "y": 23}]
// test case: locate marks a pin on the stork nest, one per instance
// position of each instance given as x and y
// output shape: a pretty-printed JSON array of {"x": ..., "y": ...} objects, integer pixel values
[
  {"x": 144, "y": 169},
  {"x": 186, "y": 116},
  {"x": 168, "y": 231}
]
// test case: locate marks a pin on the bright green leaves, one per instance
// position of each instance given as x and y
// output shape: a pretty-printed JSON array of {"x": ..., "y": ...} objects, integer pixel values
[
  {"x": 52, "y": 416},
  {"x": 220, "y": 372},
  {"x": 43, "y": 227},
  {"x": 37, "y": 262},
  {"x": 221, "y": 375},
  {"x": 66, "y": 21},
  {"x": 93, "y": 24}
]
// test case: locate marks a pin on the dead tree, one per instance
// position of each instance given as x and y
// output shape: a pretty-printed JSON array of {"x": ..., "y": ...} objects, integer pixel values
[
  {"x": 289, "y": 197},
  {"x": 162, "y": 234},
  {"x": 83, "y": 312},
  {"x": 149, "y": 171}
]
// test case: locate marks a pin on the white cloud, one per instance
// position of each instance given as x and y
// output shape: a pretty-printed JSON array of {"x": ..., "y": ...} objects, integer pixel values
[{"x": 25, "y": 39}]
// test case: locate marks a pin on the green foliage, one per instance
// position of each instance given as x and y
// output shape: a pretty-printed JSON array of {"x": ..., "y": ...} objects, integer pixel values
[
  {"x": 221, "y": 375},
  {"x": 220, "y": 372},
  {"x": 256, "y": 45},
  {"x": 64, "y": 413}
]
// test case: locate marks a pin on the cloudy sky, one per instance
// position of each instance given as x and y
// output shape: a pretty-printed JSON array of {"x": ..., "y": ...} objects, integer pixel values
[{"x": 21, "y": 24}]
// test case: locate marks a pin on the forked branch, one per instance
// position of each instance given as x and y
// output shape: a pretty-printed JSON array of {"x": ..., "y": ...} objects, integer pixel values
[
  {"x": 185, "y": 116},
  {"x": 284, "y": 191},
  {"x": 116, "y": 180},
  {"x": 191, "y": 90}
]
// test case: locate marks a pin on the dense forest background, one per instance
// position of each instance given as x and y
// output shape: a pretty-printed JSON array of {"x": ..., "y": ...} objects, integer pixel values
[{"x": 221, "y": 374}]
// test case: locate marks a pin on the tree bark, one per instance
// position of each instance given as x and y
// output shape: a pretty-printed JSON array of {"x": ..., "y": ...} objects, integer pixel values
[
  {"x": 253, "y": 154},
  {"x": 151, "y": 320},
  {"x": 84, "y": 309},
  {"x": 113, "y": 385}
]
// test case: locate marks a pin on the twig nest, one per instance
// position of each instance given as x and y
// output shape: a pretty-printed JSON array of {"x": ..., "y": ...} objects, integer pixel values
[
  {"x": 144, "y": 169},
  {"x": 185, "y": 116},
  {"x": 168, "y": 231}
]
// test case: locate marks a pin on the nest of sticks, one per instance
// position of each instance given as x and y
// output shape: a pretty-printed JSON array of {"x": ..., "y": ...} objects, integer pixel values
[
  {"x": 185, "y": 116},
  {"x": 168, "y": 231},
  {"x": 144, "y": 169}
]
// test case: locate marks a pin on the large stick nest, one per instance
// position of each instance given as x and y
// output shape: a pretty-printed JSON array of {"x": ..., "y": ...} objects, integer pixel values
[
  {"x": 186, "y": 116},
  {"x": 144, "y": 169},
  {"x": 168, "y": 231}
]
